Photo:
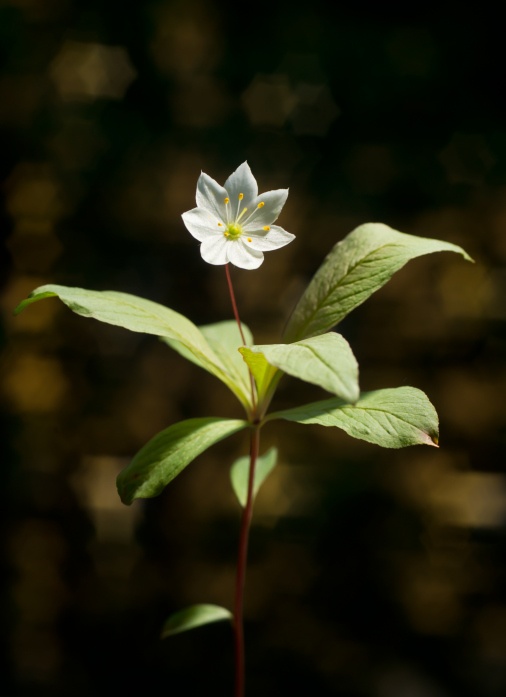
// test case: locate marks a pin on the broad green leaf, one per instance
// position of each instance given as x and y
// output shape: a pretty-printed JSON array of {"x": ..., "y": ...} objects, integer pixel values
[
  {"x": 169, "y": 452},
  {"x": 239, "y": 474},
  {"x": 326, "y": 361},
  {"x": 225, "y": 340},
  {"x": 354, "y": 269},
  {"x": 194, "y": 616},
  {"x": 144, "y": 316},
  {"x": 392, "y": 418}
]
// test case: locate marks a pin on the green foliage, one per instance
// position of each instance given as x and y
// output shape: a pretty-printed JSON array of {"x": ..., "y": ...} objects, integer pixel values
[
  {"x": 392, "y": 418},
  {"x": 326, "y": 361},
  {"x": 239, "y": 474},
  {"x": 225, "y": 340},
  {"x": 147, "y": 317},
  {"x": 192, "y": 617},
  {"x": 353, "y": 270},
  {"x": 356, "y": 267},
  {"x": 263, "y": 372},
  {"x": 169, "y": 452}
]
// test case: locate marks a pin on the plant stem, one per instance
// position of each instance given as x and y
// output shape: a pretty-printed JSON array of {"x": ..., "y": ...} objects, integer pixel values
[
  {"x": 241, "y": 566},
  {"x": 238, "y": 320},
  {"x": 242, "y": 555},
  {"x": 234, "y": 304}
]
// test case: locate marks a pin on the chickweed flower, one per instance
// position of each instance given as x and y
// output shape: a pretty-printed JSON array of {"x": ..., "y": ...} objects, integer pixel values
[{"x": 233, "y": 223}]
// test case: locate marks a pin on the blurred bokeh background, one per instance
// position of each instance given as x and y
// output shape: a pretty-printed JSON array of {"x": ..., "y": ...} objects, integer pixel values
[{"x": 373, "y": 573}]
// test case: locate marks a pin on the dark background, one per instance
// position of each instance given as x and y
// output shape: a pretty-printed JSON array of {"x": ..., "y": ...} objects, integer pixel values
[{"x": 373, "y": 573}]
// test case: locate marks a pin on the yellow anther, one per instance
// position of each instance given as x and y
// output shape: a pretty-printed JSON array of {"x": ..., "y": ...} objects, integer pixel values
[
  {"x": 227, "y": 200},
  {"x": 220, "y": 224},
  {"x": 261, "y": 204},
  {"x": 266, "y": 228},
  {"x": 241, "y": 196},
  {"x": 226, "y": 234},
  {"x": 249, "y": 239}
]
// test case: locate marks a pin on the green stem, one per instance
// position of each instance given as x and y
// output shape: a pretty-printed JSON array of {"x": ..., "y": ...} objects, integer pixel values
[{"x": 242, "y": 558}]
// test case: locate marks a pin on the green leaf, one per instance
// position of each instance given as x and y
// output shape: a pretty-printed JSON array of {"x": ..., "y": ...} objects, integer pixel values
[
  {"x": 194, "y": 616},
  {"x": 239, "y": 474},
  {"x": 392, "y": 418},
  {"x": 225, "y": 340},
  {"x": 261, "y": 370},
  {"x": 144, "y": 316},
  {"x": 354, "y": 269},
  {"x": 326, "y": 361},
  {"x": 169, "y": 452}
]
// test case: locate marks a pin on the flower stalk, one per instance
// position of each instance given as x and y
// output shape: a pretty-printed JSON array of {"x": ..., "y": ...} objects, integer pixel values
[
  {"x": 242, "y": 558},
  {"x": 239, "y": 324},
  {"x": 247, "y": 514}
]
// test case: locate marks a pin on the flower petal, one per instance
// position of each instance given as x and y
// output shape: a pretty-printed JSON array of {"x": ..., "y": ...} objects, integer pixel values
[
  {"x": 242, "y": 182},
  {"x": 265, "y": 241},
  {"x": 260, "y": 215},
  {"x": 211, "y": 197},
  {"x": 214, "y": 250},
  {"x": 201, "y": 224},
  {"x": 243, "y": 256}
]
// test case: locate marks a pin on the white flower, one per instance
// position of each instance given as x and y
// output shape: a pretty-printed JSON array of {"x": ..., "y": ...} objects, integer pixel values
[{"x": 234, "y": 223}]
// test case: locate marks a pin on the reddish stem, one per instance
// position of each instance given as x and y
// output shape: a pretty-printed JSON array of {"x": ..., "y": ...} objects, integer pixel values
[
  {"x": 241, "y": 566},
  {"x": 234, "y": 304},
  {"x": 238, "y": 320},
  {"x": 242, "y": 555}
]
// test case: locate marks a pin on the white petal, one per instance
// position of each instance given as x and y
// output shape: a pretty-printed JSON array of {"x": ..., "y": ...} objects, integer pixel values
[
  {"x": 242, "y": 182},
  {"x": 214, "y": 250},
  {"x": 265, "y": 241},
  {"x": 243, "y": 256},
  {"x": 201, "y": 224},
  {"x": 265, "y": 215},
  {"x": 211, "y": 197}
]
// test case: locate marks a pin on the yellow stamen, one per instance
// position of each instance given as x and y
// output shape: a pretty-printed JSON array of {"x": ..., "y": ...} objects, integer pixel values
[
  {"x": 249, "y": 239},
  {"x": 241, "y": 196},
  {"x": 261, "y": 204},
  {"x": 220, "y": 224},
  {"x": 226, "y": 234},
  {"x": 227, "y": 200},
  {"x": 242, "y": 213},
  {"x": 266, "y": 228}
]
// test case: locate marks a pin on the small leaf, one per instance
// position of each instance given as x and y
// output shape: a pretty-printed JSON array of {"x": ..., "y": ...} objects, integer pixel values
[
  {"x": 353, "y": 270},
  {"x": 392, "y": 418},
  {"x": 326, "y": 361},
  {"x": 262, "y": 371},
  {"x": 194, "y": 616},
  {"x": 169, "y": 452},
  {"x": 225, "y": 340},
  {"x": 147, "y": 317},
  {"x": 239, "y": 474}
]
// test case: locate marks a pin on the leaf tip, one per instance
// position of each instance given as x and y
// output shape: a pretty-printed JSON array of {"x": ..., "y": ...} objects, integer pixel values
[
  {"x": 37, "y": 294},
  {"x": 124, "y": 491},
  {"x": 193, "y": 617},
  {"x": 431, "y": 439},
  {"x": 21, "y": 306}
]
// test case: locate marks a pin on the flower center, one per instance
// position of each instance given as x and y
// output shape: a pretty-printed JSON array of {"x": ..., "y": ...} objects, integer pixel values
[{"x": 233, "y": 231}]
